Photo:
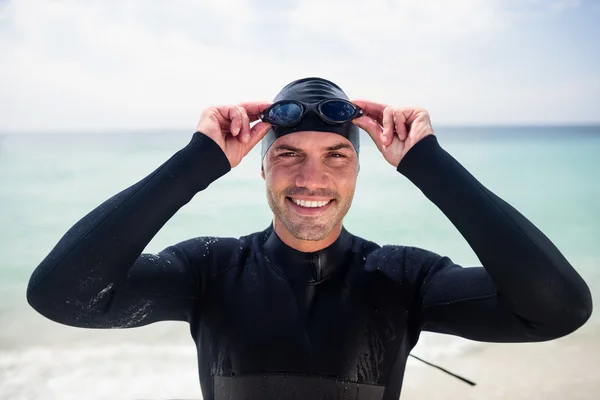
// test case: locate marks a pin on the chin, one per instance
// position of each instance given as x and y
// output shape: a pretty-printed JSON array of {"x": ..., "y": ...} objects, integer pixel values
[
  {"x": 310, "y": 231},
  {"x": 311, "y": 236}
]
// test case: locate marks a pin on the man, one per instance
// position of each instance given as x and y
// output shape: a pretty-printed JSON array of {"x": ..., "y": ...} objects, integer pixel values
[{"x": 305, "y": 309}]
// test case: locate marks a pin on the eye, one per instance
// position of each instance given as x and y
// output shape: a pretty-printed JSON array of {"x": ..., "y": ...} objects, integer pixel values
[
  {"x": 287, "y": 154},
  {"x": 337, "y": 155}
]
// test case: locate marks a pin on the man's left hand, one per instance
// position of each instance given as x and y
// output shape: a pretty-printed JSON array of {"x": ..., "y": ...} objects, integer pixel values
[{"x": 394, "y": 130}]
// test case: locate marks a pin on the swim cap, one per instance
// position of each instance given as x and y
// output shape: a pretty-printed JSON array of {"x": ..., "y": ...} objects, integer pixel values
[{"x": 312, "y": 90}]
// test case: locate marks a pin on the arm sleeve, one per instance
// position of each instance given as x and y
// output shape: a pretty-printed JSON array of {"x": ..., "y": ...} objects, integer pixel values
[
  {"x": 526, "y": 289},
  {"x": 97, "y": 277}
]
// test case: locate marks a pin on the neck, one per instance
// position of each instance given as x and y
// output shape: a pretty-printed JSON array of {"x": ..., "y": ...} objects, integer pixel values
[{"x": 305, "y": 246}]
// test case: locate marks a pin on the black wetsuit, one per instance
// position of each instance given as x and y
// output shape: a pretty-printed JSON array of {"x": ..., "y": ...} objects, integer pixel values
[{"x": 272, "y": 322}]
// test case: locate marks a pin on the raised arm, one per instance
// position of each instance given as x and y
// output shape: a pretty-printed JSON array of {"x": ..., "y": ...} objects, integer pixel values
[
  {"x": 526, "y": 289},
  {"x": 97, "y": 277}
]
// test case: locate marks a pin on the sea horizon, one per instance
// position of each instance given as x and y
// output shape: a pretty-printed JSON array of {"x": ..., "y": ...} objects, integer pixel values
[{"x": 593, "y": 127}]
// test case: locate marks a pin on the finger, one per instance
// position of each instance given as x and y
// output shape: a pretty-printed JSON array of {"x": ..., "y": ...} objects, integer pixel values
[
  {"x": 413, "y": 113},
  {"x": 388, "y": 126},
  {"x": 254, "y": 109},
  {"x": 370, "y": 126},
  {"x": 221, "y": 113},
  {"x": 225, "y": 114},
  {"x": 245, "y": 135},
  {"x": 401, "y": 123},
  {"x": 371, "y": 109},
  {"x": 236, "y": 121},
  {"x": 257, "y": 132}
]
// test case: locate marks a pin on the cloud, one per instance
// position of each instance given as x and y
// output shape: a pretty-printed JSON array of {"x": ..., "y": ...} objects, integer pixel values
[{"x": 72, "y": 65}]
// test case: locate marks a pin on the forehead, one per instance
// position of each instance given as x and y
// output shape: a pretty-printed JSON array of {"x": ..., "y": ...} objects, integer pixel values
[{"x": 311, "y": 140}]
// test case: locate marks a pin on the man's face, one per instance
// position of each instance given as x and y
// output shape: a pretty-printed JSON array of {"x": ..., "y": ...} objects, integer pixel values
[{"x": 310, "y": 177}]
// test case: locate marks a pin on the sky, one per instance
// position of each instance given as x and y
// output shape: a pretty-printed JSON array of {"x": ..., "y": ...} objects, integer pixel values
[{"x": 83, "y": 66}]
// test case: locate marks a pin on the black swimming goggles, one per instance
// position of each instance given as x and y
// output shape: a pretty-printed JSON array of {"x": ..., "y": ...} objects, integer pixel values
[{"x": 287, "y": 113}]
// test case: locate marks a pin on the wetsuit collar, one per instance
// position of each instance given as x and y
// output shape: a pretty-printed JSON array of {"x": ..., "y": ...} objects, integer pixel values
[{"x": 307, "y": 267}]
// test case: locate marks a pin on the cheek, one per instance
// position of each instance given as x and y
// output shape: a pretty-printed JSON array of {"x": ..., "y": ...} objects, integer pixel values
[
  {"x": 348, "y": 187},
  {"x": 347, "y": 183},
  {"x": 277, "y": 180}
]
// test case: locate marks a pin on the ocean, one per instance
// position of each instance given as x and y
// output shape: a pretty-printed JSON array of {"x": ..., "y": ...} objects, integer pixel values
[{"x": 49, "y": 181}]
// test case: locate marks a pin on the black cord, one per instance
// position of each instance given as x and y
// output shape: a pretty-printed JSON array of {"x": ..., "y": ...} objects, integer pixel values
[{"x": 445, "y": 370}]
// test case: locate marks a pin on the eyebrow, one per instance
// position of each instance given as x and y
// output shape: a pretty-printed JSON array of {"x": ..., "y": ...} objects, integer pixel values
[{"x": 339, "y": 146}]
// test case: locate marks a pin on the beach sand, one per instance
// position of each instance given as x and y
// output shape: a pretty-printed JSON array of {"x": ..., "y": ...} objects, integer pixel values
[{"x": 567, "y": 369}]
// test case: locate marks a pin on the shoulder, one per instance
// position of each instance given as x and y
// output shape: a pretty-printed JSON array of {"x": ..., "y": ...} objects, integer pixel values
[
  {"x": 408, "y": 255},
  {"x": 214, "y": 254},
  {"x": 397, "y": 271},
  {"x": 400, "y": 263}
]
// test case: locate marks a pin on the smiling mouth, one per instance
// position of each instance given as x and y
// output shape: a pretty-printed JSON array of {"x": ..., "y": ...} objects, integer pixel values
[
  {"x": 310, "y": 203},
  {"x": 309, "y": 207}
]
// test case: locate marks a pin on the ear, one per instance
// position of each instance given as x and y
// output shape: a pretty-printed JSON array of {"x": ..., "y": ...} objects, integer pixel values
[{"x": 262, "y": 172}]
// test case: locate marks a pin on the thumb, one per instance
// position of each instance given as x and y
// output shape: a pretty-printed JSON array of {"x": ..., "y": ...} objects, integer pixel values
[
  {"x": 257, "y": 132},
  {"x": 370, "y": 126}
]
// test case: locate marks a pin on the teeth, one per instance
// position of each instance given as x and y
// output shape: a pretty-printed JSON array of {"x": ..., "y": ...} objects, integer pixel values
[{"x": 310, "y": 204}]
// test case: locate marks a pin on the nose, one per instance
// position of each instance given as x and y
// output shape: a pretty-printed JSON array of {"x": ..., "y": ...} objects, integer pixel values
[{"x": 311, "y": 174}]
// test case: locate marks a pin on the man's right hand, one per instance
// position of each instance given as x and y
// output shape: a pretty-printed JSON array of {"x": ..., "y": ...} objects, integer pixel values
[{"x": 229, "y": 127}]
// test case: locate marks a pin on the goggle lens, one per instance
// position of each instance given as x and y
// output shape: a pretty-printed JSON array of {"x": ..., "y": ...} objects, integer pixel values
[
  {"x": 338, "y": 111},
  {"x": 285, "y": 114}
]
